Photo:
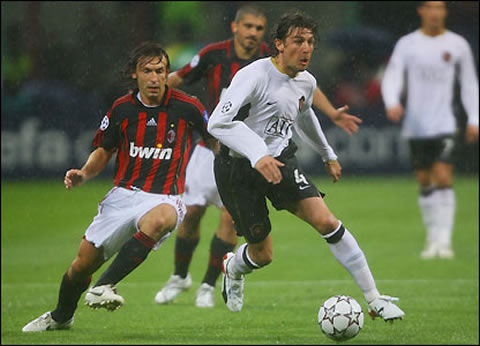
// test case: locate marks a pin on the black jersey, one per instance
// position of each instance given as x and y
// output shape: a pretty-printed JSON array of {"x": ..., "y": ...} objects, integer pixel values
[
  {"x": 218, "y": 63},
  {"x": 153, "y": 143}
]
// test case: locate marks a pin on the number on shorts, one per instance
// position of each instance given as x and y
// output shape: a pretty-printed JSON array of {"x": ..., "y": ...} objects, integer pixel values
[{"x": 299, "y": 177}]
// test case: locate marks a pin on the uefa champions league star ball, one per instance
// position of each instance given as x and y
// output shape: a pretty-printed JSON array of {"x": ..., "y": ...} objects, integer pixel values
[{"x": 340, "y": 318}]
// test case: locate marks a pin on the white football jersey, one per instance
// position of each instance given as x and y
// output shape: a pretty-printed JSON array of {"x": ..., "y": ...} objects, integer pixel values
[
  {"x": 277, "y": 103},
  {"x": 430, "y": 63}
]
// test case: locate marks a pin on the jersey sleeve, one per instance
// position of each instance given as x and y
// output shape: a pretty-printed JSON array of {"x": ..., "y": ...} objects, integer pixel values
[
  {"x": 197, "y": 67},
  {"x": 236, "y": 134},
  {"x": 392, "y": 82},
  {"x": 468, "y": 84},
  {"x": 108, "y": 133},
  {"x": 310, "y": 131},
  {"x": 199, "y": 119}
]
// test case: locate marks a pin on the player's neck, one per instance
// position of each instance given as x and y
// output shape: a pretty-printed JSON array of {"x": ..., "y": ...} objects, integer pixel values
[
  {"x": 241, "y": 52},
  {"x": 433, "y": 31},
  {"x": 147, "y": 102},
  {"x": 278, "y": 63}
]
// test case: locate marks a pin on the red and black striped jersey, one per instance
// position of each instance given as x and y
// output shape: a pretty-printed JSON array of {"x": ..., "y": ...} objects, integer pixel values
[
  {"x": 218, "y": 63},
  {"x": 153, "y": 143}
]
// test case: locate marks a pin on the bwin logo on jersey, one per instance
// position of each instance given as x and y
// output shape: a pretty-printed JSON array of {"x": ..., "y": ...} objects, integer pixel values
[
  {"x": 278, "y": 127},
  {"x": 154, "y": 153}
]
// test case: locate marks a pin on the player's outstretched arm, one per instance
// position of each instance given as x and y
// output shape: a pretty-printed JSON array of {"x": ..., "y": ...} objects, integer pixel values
[
  {"x": 96, "y": 162},
  {"x": 348, "y": 122}
]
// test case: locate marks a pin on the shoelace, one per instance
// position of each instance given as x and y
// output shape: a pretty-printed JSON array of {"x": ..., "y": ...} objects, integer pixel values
[{"x": 389, "y": 299}]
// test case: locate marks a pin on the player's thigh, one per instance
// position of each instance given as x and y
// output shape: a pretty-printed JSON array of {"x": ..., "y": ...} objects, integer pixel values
[
  {"x": 314, "y": 211},
  {"x": 158, "y": 221},
  {"x": 190, "y": 227},
  {"x": 239, "y": 187}
]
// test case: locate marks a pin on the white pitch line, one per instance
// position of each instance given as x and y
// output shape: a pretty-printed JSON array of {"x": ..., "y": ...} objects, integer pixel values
[{"x": 265, "y": 283}]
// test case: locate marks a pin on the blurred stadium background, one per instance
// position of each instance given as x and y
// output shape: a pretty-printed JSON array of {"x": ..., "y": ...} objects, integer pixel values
[{"x": 60, "y": 63}]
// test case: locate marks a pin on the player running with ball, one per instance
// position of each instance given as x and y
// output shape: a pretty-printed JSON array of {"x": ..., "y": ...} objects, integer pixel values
[{"x": 257, "y": 160}]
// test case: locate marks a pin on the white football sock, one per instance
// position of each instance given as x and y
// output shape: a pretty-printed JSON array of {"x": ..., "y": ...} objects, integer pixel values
[
  {"x": 428, "y": 209},
  {"x": 238, "y": 266},
  {"x": 349, "y": 254},
  {"x": 445, "y": 216}
]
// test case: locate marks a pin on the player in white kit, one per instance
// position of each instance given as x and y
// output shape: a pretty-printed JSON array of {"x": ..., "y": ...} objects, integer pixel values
[
  {"x": 431, "y": 56},
  {"x": 218, "y": 63},
  {"x": 257, "y": 160}
]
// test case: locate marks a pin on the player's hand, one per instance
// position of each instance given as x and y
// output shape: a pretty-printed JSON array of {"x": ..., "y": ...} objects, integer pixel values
[
  {"x": 269, "y": 168},
  {"x": 73, "y": 177},
  {"x": 334, "y": 169},
  {"x": 347, "y": 122},
  {"x": 395, "y": 113},
  {"x": 471, "y": 133}
]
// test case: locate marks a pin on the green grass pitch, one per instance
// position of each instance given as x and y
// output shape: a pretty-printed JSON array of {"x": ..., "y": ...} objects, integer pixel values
[{"x": 42, "y": 225}]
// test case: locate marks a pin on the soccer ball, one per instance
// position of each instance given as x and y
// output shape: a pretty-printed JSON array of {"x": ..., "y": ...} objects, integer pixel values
[{"x": 340, "y": 318}]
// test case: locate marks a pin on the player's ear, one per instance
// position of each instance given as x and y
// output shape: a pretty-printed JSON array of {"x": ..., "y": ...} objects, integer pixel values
[
  {"x": 233, "y": 26},
  {"x": 279, "y": 45},
  {"x": 134, "y": 75}
]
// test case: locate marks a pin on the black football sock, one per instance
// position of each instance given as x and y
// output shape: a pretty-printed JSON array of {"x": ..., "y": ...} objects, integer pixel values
[
  {"x": 68, "y": 296},
  {"x": 184, "y": 249},
  {"x": 218, "y": 248},
  {"x": 132, "y": 253}
]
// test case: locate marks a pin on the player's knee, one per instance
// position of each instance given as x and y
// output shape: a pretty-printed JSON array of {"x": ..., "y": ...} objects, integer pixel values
[
  {"x": 81, "y": 267},
  {"x": 325, "y": 223},
  {"x": 160, "y": 225}
]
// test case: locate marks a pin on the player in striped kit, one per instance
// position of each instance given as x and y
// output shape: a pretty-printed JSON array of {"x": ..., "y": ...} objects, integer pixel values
[
  {"x": 430, "y": 56},
  {"x": 218, "y": 63},
  {"x": 257, "y": 160},
  {"x": 151, "y": 132}
]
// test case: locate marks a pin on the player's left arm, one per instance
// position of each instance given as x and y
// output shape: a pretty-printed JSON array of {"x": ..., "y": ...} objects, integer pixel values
[
  {"x": 469, "y": 93},
  {"x": 348, "y": 122},
  {"x": 309, "y": 129}
]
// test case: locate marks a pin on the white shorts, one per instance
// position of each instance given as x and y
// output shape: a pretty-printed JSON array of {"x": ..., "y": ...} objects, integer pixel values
[
  {"x": 119, "y": 213},
  {"x": 200, "y": 186}
]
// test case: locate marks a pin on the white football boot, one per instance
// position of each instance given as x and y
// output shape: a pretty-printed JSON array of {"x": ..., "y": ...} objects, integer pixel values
[
  {"x": 46, "y": 322},
  {"x": 384, "y": 307},
  {"x": 430, "y": 251},
  {"x": 104, "y": 296},
  {"x": 174, "y": 286},
  {"x": 205, "y": 296},
  {"x": 446, "y": 253},
  {"x": 232, "y": 288}
]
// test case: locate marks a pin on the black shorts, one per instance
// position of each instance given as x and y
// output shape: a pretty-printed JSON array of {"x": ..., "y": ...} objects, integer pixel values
[
  {"x": 425, "y": 152},
  {"x": 243, "y": 190}
]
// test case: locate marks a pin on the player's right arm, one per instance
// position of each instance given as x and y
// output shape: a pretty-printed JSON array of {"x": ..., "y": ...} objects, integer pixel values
[
  {"x": 236, "y": 134},
  {"x": 96, "y": 162},
  {"x": 392, "y": 84}
]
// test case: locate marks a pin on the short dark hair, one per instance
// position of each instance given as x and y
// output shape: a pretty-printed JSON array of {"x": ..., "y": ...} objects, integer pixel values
[
  {"x": 290, "y": 21},
  {"x": 149, "y": 50},
  {"x": 248, "y": 9}
]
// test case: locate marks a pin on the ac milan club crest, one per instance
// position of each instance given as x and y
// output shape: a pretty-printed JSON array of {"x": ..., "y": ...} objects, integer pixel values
[
  {"x": 170, "y": 136},
  {"x": 301, "y": 102},
  {"x": 446, "y": 56}
]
